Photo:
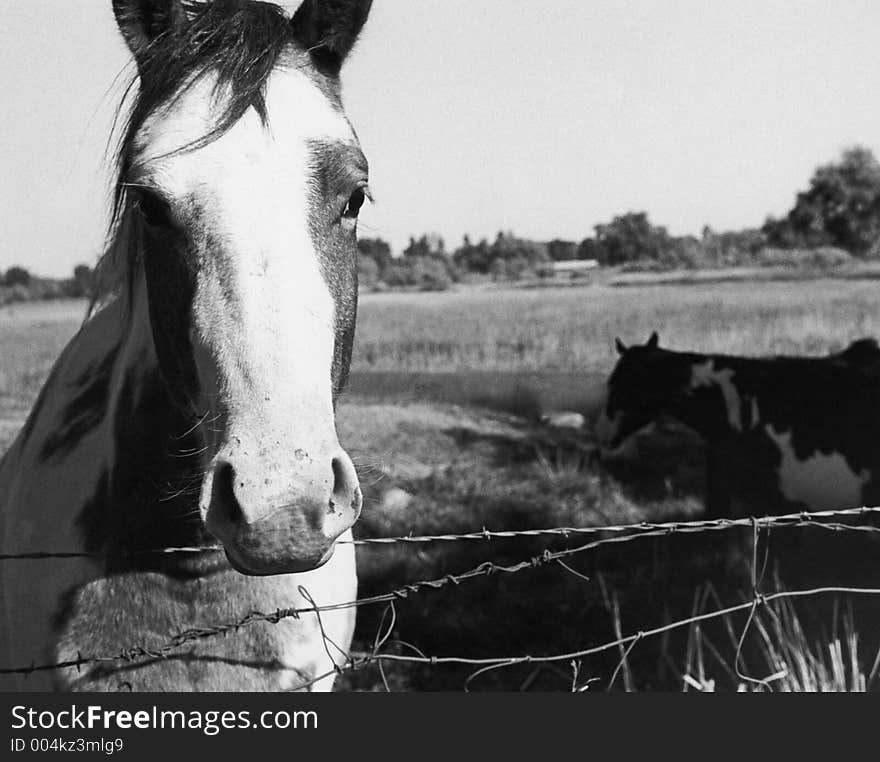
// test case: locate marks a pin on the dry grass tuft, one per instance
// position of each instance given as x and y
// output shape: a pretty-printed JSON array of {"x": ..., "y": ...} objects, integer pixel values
[{"x": 782, "y": 656}]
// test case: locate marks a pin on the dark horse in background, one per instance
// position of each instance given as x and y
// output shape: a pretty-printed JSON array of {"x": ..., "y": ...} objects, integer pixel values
[
  {"x": 782, "y": 433},
  {"x": 196, "y": 404}
]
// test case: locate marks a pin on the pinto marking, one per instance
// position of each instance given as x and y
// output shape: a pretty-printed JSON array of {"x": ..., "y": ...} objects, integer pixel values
[
  {"x": 705, "y": 374},
  {"x": 819, "y": 480}
]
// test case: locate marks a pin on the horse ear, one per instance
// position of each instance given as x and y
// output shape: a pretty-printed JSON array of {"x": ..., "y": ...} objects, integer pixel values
[
  {"x": 329, "y": 29},
  {"x": 142, "y": 21},
  {"x": 654, "y": 341},
  {"x": 621, "y": 347}
]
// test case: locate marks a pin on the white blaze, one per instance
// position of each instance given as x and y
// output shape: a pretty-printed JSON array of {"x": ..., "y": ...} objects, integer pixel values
[{"x": 262, "y": 306}]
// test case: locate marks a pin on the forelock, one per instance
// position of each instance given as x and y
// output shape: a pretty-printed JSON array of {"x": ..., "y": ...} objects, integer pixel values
[{"x": 237, "y": 42}]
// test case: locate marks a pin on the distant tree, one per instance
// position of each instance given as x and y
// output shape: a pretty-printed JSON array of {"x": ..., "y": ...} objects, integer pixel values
[
  {"x": 732, "y": 247},
  {"x": 684, "y": 251},
  {"x": 428, "y": 245},
  {"x": 507, "y": 257},
  {"x": 562, "y": 251},
  {"x": 840, "y": 208},
  {"x": 377, "y": 250},
  {"x": 631, "y": 238},
  {"x": 81, "y": 284},
  {"x": 590, "y": 248},
  {"x": 17, "y": 276},
  {"x": 417, "y": 247},
  {"x": 368, "y": 272},
  {"x": 780, "y": 233},
  {"x": 431, "y": 274},
  {"x": 520, "y": 256},
  {"x": 498, "y": 270},
  {"x": 432, "y": 247},
  {"x": 422, "y": 272},
  {"x": 473, "y": 258}
]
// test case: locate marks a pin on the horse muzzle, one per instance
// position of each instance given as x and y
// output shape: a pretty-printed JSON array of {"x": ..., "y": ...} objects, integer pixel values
[{"x": 265, "y": 531}]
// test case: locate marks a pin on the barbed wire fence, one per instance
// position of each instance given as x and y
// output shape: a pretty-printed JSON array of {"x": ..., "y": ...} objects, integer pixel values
[{"x": 611, "y": 535}]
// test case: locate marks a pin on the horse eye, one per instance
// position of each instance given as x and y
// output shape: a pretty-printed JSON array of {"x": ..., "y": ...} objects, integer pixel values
[
  {"x": 155, "y": 210},
  {"x": 355, "y": 202}
]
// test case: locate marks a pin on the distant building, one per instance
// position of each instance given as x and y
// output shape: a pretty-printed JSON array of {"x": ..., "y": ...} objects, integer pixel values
[{"x": 575, "y": 265}]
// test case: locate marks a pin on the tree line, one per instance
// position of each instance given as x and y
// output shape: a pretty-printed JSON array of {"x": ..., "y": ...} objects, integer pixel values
[
  {"x": 17, "y": 284},
  {"x": 836, "y": 218}
]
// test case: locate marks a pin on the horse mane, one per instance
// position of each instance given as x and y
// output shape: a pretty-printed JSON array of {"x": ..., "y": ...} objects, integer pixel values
[
  {"x": 862, "y": 355},
  {"x": 240, "y": 43}
]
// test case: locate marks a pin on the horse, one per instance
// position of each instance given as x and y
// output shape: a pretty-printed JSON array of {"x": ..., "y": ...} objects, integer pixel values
[
  {"x": 196, "y": 404},
  {"x": 782, "y": 433}
]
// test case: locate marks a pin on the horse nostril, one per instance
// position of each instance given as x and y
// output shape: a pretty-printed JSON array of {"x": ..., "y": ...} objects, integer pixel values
[
  {"x": 346, "y": 491},
  {"x": 223, "y": 495}
]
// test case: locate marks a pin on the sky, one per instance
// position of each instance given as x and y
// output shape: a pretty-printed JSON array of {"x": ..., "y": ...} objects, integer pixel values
[{"x": 544, "y": 118}]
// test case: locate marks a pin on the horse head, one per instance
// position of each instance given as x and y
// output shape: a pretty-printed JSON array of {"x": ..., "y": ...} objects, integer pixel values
[{"x": 241, "y": 180}]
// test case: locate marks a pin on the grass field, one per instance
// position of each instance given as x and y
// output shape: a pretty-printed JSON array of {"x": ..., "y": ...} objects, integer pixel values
[
  {"x": 573, "y": 329},
  {"x": 513, "y": 330},
  {"x": 431, "y": 424}
]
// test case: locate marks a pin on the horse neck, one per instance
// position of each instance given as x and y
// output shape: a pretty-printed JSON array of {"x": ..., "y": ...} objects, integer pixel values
[{"x": 151, "y": 491}]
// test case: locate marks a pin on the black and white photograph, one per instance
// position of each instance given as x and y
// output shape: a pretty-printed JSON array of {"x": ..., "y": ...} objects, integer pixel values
[{"x": 486, "y": 346}]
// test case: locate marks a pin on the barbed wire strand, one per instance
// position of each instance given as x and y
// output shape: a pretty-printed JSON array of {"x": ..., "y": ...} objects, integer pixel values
[
  {"x": 177, "y": 641},
  {"x": 800, "y": 518},
  {"x": 758, "y": 599},
  {"x": 360, "y": 660},
  {"x": 640, "y": 635}
]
